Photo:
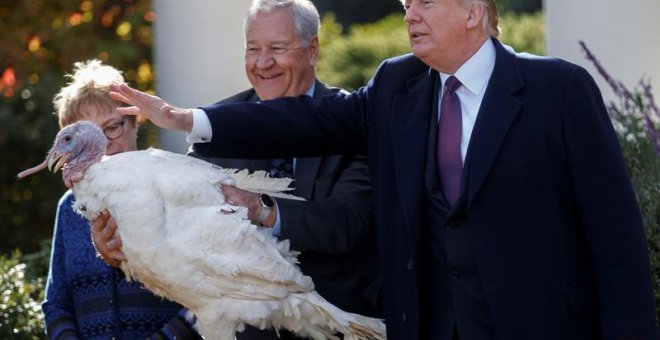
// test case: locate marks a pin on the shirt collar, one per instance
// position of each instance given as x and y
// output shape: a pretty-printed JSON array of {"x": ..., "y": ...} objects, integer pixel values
[
  {"x": 476, "y": 71},
  {"x": 310, "y": 92}
]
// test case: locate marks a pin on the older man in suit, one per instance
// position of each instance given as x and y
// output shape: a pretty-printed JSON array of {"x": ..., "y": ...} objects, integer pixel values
[
  {"x": 503, "y": 206},
  {"x": 333, "y": 229}
]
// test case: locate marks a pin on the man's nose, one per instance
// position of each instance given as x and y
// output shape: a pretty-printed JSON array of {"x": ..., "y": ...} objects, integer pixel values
[
  {"x": 265, "y": 59},
  {"x": 412, "y": 14}
]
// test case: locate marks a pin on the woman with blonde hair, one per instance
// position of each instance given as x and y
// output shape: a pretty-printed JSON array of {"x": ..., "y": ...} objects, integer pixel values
[{"x": 86, "y": 298}]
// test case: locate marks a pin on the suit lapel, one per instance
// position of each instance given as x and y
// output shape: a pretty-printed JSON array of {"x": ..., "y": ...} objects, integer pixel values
[
  {"x": 498, "y": 110},
  {"x": 409, "y": 126},
  {"x": 320, "y": 90},
  {"x": 307, "y": 168}
]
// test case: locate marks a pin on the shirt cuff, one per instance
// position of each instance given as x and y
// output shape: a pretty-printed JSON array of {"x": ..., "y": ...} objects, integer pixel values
[{"x": 201, "y": 131}]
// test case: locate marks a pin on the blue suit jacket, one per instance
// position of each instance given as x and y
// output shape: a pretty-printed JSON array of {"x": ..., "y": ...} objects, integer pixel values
[{"x": 555, "y": 231}]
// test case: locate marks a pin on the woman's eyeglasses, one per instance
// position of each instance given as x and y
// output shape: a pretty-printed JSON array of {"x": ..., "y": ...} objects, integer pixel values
[{"x": 114, "y": 130}]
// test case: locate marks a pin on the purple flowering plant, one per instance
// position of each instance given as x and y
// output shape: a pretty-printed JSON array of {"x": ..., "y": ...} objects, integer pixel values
[{"x": 635, "y": 111}]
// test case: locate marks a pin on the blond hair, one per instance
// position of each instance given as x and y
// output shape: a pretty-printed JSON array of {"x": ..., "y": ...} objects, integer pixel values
[
  {"x": 489, "y": 22},
  {"x": 89, "y": 85}
]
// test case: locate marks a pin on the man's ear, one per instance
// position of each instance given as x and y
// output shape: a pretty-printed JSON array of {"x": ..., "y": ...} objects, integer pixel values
[
  {"x": 475, "y": 14},
  {"x": 313, "y": 50}
]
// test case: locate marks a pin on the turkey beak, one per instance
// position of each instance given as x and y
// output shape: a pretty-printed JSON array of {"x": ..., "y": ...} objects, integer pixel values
[{"x": 56, "y": 158}]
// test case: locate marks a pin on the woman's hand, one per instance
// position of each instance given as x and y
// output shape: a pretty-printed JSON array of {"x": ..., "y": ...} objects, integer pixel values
[{"x": 106, "y": 242}]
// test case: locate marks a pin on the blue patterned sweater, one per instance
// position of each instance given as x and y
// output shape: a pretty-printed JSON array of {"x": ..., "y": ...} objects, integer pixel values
[{"x": 87, "y": 299}]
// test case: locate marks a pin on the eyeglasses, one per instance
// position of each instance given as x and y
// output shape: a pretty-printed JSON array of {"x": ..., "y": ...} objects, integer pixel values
[
  {"x": 273, "y": 51},
  {"x": 114, "y": 130}
]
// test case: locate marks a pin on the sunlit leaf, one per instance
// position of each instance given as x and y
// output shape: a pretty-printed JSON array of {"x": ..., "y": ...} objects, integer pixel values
[
  {"x": 124, "y": 29},
  {"x": 75, "y": 19},
  {"x": 34, "y": 44}
]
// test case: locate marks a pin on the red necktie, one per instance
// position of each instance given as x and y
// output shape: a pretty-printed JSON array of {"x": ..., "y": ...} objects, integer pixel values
[{"x": 450, "y": 127}]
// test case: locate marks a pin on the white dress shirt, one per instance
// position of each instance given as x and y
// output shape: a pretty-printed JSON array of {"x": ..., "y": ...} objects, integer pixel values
[
  {"x": 202, "y": 132},
  {"x": 473, "y": 75}
]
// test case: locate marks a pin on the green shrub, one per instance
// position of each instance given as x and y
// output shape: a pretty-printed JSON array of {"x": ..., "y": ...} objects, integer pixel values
[
  {"x": 524, "y": 32},
  {"x": 349, "y": 59},
  {"x": 636, "y": 118},
  {"x": 20, "y": 309},
  {"x": 643, "y": 165},
  {"x": 37, "y": 263}
]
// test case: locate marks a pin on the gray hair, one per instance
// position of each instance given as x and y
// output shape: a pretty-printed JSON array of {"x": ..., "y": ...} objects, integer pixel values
[
  {"x": 305, "y": 16},
  {"x": 490, "y": 19}
]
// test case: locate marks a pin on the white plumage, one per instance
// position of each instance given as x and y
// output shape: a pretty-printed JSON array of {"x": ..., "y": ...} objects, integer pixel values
[{"x": 181, "y": 245}]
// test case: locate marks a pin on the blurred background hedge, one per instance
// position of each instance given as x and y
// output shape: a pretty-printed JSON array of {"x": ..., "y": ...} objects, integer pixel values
[
  {"x": 43, "y": 39},
  {"x": 21, "y": 293},
  {"x": 40, "y": 41}
]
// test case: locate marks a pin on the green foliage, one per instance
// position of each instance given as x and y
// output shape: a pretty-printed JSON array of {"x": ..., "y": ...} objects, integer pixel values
[
  {"x": 37, "y": 263},
  {"x": 519, "y": 6},
  {"x": 358, "y": 11},
  {"x": 643, "y": 165},
  {"x": 40, "y": 42},
  {"x": 349, "y": 60},
  {"x": 524, "y": 32},
  {"x": 364, "y": 11},
  {"x": 20, "y": 309}
]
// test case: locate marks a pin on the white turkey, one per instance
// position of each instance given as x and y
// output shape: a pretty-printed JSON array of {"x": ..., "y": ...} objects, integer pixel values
[{"x": 181, "y": 243}]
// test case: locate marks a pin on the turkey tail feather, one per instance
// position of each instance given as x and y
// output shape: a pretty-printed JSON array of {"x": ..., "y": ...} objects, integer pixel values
[
  {"x": 260, "y": 182},
  {"x": 325, "y": 318}
]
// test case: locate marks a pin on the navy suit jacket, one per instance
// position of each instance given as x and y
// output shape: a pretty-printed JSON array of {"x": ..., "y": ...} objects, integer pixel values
[
  {"x": 555, "y": 230},
  {"x": 333, "y": 228}
]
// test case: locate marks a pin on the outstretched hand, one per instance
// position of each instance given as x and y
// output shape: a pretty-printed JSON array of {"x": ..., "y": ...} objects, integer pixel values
[
  {"x": 106, "y": 241},
  {"x": 157, "y": 110}
]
